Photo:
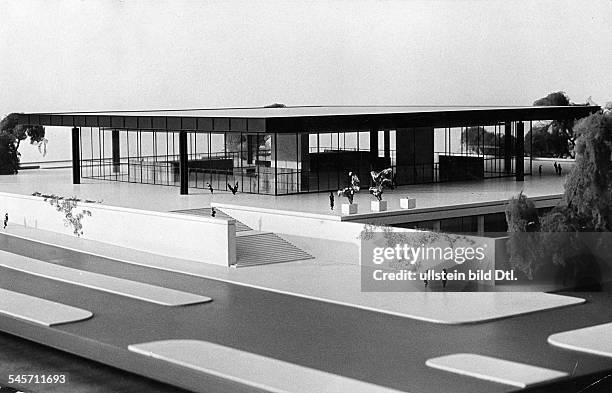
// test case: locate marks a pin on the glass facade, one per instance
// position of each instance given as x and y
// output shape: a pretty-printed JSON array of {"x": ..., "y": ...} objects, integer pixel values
[{"x": 299, "y": 162}]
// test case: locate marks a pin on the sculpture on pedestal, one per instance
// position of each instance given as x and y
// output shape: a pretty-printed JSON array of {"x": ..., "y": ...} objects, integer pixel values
[
  {"x": 381, "y": 180},
  {"x": 349, "y": 192}
]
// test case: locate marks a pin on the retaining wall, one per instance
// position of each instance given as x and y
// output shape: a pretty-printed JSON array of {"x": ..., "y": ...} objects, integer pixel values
[{"x": 203, "y": 239}]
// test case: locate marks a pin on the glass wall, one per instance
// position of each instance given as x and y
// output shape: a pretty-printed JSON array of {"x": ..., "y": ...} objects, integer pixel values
[
  {"x": 477, "y": 151},
  {"x": 291, "y": 163}
]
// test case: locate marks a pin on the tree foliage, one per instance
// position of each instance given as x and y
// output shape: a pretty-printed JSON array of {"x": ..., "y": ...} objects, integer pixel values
[
  {"x": 11, "y": 135},
  {"x": 559, "y": 129},
  {"x": 540, "y": 141},
  {"x": 482, "y": 141},
  {"x": 558, "y": 98},
  {"x": 588, "y": 189},
  {"x": 586, "y": 208},
  {"x": 522, "y": 217}
]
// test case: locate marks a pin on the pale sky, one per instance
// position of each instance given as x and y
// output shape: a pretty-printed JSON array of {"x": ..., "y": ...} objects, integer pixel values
[
  {"x": 68, "y": 55},
  {"x": 87, "y": 55}
]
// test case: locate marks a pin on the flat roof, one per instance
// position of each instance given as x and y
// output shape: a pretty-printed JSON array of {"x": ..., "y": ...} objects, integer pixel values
[{"x": 305, "y": 118}]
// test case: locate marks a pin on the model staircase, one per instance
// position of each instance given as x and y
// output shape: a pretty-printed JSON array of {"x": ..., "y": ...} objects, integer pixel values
[
  {"x": 206, "y": 211},
  {"x": 262, "y": 248},
  {"x": 255, "y": 248}
]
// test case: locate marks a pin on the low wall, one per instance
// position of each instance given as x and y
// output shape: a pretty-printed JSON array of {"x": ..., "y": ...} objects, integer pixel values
[
  {"x": 196, "y": 238},
  {"x": 331, "y": 227},
  {"x": 286, "y": 222}
]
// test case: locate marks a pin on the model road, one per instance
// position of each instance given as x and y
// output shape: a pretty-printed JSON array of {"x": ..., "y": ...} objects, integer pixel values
[{"x": 374, "y": 347}]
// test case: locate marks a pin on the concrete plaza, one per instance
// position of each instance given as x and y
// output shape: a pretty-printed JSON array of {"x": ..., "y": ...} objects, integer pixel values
[{"x": 167, "y": 198}]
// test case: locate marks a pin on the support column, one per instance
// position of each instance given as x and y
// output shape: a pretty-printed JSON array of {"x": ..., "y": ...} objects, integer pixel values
[
  {"x": 116, "y": 151},
  {"x": 480, "y": 222},
  {"x": 374, "y": 146},
  {"x": 508, "y": 147},
  {"x": 387, "y": 139},
  {"x": 520, "y": 151},
  {"x": 274, "y": 157},
  {"x": 405, "y": 156},
  {"x": 183, "y": 163},
  {"x": 304, "y": 161},
  {"x": 76, "y": 156}
]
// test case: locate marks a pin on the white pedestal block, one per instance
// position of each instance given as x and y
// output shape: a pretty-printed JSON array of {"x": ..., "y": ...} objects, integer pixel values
[
  {"x": 349, "y": 208},
  {"x": 408, "y": 203},
  {"x": 378, "y": 206}
]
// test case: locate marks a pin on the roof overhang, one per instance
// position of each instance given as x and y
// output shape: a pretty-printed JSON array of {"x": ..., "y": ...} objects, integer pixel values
[{"x": 306, "y": 118}]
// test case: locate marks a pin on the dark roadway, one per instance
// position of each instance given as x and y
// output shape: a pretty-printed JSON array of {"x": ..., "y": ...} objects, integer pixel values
[{"x": 375, "y": 347}]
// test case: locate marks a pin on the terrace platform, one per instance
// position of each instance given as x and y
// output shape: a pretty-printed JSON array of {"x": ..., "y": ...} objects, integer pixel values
[{"x": 166, "y": 198}]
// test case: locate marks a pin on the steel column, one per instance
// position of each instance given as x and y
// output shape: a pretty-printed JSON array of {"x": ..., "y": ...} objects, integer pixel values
[
  {"x": 183, "y": 163},
  {"x": 76, "y": 155},
  {"x": 520, "y": 151}
]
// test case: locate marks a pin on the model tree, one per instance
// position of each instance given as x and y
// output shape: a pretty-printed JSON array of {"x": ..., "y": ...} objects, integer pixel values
[
  {"x": 586, "y": 207},
  {"x": 559, "y": 129},
  {"x": 482, "y": 141},
  {"x": 11, "y": 135},
  {"x": 522, "y": 217},
  {"x": 539, "y": 142}
]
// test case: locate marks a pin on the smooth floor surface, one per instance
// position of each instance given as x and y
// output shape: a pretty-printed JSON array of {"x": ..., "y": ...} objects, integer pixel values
[
  {"x": 23, "y": 357},
  {"x": 164, "y": 198}
]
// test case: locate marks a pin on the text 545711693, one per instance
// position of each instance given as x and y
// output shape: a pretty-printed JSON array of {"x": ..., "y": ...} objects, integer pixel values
[{"x": 37, "y": 378}]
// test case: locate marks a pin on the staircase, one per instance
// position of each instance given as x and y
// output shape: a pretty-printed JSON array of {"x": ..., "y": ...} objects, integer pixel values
[
  {"x": 261, "y": 248},
  {"x": 255, "y": 248},
  {"x": 206, "y": 211}
]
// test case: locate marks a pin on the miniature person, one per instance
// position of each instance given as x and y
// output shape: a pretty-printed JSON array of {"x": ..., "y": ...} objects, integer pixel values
[
  {"x": 213, "y": 212},
  {"x": 331, "y": 200},
  {"x": 540, "y": 170},
  {"x": 210, "y": 187},
  {"x": 5, "y": 220},
  {"x": 559, "y": 169},
  {"x": 556, "y": 168}
]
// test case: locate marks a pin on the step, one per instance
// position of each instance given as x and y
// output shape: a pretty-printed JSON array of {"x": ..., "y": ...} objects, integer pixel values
[
  {"x": 206, "y": 211},
  {"x": 110, "y": 284},
  {"x": 40, "y": 311},
  {"x": 596, "y": 340},
  {"x": 250, "y": 369},
  {"x": 494, "y": 369},
  {"x": 260, "y": 248}
]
